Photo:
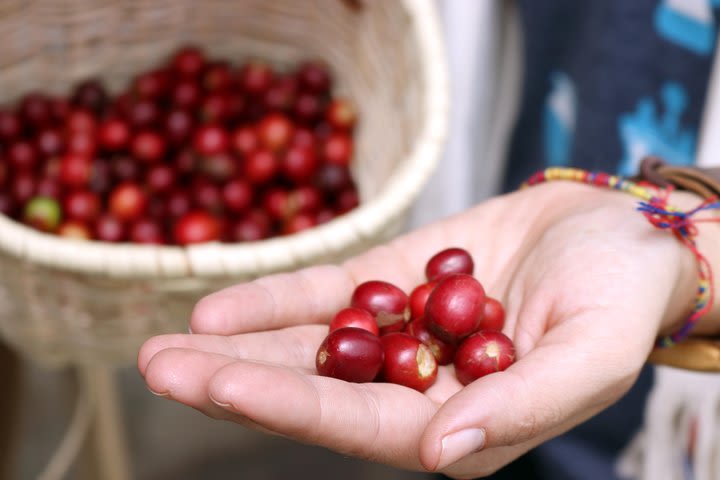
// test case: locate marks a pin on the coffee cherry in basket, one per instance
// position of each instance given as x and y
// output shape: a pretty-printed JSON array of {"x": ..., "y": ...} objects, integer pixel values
[
  {"x": 255, "y": 77},
  {"x": 188, "y": 61},
  {"x": 110, "y": 229},
  {"x": 314, "y": 76},
  {"x": 114, "y": 134},
  {"x": 308, "y": 108},
  {"x": 43, "y": 213},
  {"x": 23, "y": 187},
  {"x": 244, "y": 140},
  {"x": 151, "y": 85},
  {"x": 186, "y": 93},
  {"x": 275, "y": 132},
  {"x": 197, "y": 227},
  {"x": 281, "y": 94},
  {"x": 8, "y": 204},
  {"x": 143, "y": 114},
  {"x": 147, "y": 231},
  {"x": 23, "y": 155},
  {"x": 333, "y": 178},
  {"x": 261, "y": 166},
  {"x": 386, "y": 302},
  {"x": 35, "y": 109},
  {"x": 350, "y": 354},
  {"x": 90, "y": 94},
  {"x": 101, "y": 180},
  {"x": 59, "y": 108},
  {"x": 125, "y": 168},
  {"x": 299, "y": 164},
  {"x": 211, "y": 139},
  {"x": 128, "y": 201},
  {"x": 160, "y": 178},
  {"x": 148, "y": 146},
  {"x": 83, "y": 143},
  {"x": 50, "y": 142},
  {"x": 10, "y": 125},
  {"x": 82, "y": 205},
  {"x": 454, "y": 309},
  {"x": 48, "y": 187},
  {"x": 408, "y": 362},
  {"x": 298, "y": 223},
  {"x": 237, "y": 195},
  {"x": 341, "y": 114},
  {"x": 251, "y": 227},
  {"x": 215, "y": 107},
  {"x": 347, "y": 200},
  {"x": 217, "y": 77},
  {"x": 178, "y": 203},
  {"x": 75, "y": 170},
  {"x": 447, "y": 262},
  {"x": 338, "y": 149},
  {"x": 481, "y": 354},
  {"x": 74, "y": 229},
  {"x": 178, "y": 126}
]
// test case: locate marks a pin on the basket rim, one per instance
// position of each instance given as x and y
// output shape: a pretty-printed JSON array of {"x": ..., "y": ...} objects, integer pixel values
[{"x": 128, "y": 261}]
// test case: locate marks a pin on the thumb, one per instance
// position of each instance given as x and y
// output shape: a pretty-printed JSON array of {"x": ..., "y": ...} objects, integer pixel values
[{"x": 570, "y": 375}]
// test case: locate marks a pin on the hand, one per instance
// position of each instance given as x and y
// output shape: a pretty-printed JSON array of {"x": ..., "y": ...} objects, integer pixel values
[{"x": 587, "y": 284}]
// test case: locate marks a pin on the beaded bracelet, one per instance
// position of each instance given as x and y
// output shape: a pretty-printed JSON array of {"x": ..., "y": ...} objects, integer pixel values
[{"x": 653, "y": 205}]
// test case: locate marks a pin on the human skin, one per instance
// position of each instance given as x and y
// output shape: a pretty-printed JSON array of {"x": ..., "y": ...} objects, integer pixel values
[{"x": 587, "y": 282}]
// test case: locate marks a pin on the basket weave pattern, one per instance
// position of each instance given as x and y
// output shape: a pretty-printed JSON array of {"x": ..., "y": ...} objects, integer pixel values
[{"x": 63, "y": 300}]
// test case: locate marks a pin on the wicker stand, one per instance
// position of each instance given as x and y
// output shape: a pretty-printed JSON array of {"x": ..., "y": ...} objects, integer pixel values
[
  {"x": 105, "y": 452},
  {"x": 95, "y": 437}
]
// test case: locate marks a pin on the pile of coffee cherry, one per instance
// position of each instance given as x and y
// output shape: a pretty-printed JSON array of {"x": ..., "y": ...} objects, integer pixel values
[
  {"x": 194, "y": 150},
  {"x": 386, "y": 335}
]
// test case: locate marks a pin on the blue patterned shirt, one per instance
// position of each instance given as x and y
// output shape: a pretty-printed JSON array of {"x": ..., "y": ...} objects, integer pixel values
[{"x": 606, "y": 83}]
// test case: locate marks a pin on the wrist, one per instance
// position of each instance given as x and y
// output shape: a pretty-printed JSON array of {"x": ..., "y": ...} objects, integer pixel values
[{"x": 685, "y": 292}]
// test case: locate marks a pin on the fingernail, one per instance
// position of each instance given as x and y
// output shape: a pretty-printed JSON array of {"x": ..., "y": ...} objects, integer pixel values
[
  {"x": 159, "y": 394},
  {"x": 456, "y": 445},
  {"x": 221, "y": 404}
]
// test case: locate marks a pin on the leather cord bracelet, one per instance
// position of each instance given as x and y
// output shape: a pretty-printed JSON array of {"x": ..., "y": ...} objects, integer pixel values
[
  {"x": 705, "y": 182},
  {"x": 695, "y": 353}
]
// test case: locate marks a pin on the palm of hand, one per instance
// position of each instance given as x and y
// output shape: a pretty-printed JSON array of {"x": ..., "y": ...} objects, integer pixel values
[{"x": 580, "y": 310}]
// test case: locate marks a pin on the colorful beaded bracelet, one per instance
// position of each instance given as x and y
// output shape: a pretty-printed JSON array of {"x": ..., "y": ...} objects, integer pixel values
[{"x": 653, "y": 205}]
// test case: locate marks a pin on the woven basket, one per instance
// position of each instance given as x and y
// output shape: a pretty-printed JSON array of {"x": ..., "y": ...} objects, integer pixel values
[{"x": 71, "y": 301}]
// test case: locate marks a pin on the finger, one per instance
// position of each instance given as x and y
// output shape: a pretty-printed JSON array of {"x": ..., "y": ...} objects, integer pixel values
[
  {"x": 182, "y": 375},
  {"x": 490, "y": 460},
  {"x": 379, "y": 422},
  {"x": 314, "y": 294},
  {"x": 307, "y": 296},
  {"x": 293, "y": 346},
  {"x": 535, "y": 395}
]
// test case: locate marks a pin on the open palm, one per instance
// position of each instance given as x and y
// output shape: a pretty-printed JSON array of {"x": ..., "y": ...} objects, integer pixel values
[{"x": 585, "y": 298}]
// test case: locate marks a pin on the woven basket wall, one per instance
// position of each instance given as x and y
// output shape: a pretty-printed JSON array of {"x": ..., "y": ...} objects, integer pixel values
[{"x": 63, "y": 300}]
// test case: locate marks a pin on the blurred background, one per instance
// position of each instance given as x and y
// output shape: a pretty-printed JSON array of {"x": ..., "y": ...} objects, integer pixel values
[{"x": 168, "y": 441}]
